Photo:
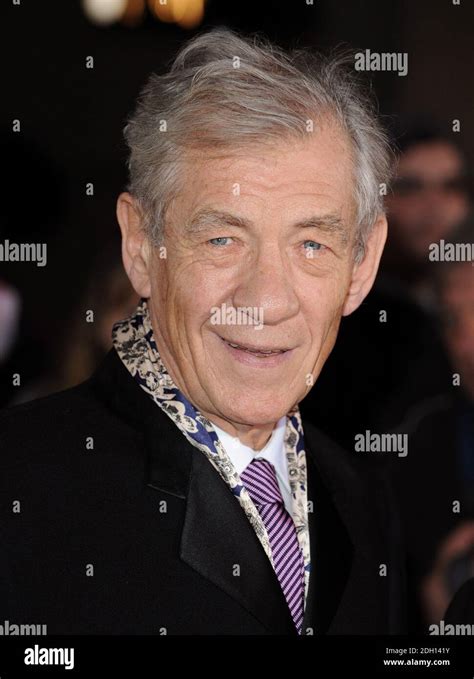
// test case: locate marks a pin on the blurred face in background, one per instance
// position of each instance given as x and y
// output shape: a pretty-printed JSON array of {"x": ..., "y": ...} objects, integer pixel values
[
  {"x": 429, "y": 197},
  {"x": 457, "y": 300}
]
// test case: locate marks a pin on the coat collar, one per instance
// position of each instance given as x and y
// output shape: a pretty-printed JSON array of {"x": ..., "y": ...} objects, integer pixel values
[{"x": 217, "y": 539}]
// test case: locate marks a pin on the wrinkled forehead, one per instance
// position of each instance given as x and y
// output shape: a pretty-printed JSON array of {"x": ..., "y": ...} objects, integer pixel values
[{"x": 297, "y": 176}]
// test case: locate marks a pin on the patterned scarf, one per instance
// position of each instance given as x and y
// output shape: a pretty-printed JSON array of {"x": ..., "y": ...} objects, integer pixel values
[{"x": 134, "y": 342}]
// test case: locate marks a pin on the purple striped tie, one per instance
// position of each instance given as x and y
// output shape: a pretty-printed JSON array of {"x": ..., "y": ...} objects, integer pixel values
[{"x": 260, "y": 480}]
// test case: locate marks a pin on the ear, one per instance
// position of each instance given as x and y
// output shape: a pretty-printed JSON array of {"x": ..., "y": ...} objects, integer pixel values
[
  {"x": 364, "y": 272},
  {"x": 135, "y": 247}
]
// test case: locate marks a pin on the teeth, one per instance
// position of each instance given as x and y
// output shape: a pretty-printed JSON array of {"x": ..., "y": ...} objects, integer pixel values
[{"x": 266, "y": 352}]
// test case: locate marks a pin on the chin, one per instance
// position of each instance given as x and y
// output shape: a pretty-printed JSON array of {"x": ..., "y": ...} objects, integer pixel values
[{"x": 256, "y": 413}]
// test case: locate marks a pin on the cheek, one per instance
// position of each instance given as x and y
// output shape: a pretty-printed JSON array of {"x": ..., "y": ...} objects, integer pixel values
[
  {"x": 323, "y": 316},
  {"x": 457, "y": 206},
  {"x": 189, "y": 302},
  {"x": 198, "y": 286},
  {"x": 323, "y": 301}
]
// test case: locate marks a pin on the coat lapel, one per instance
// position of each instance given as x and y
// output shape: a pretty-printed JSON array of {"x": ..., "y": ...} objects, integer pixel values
[
  {"x": 217, "y": 540},
  {"x": 220, "y": 544}
]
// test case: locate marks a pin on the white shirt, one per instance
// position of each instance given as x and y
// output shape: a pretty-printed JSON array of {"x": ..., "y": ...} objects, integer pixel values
[{"x": 273, "y": 451}]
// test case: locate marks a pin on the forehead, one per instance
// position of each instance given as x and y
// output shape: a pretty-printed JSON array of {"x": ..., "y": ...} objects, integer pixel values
[
  {"x": 284, "y": 175},
  {"x": 459, "y": 284},
  {"x": 431, "y": 159}
]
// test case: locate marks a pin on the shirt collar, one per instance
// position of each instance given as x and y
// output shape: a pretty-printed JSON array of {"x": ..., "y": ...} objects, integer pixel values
[{"x": 273, "y": 451}]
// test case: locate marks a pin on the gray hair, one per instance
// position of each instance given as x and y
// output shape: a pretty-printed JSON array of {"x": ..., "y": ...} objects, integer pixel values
[{"x": 225, "y": 91}]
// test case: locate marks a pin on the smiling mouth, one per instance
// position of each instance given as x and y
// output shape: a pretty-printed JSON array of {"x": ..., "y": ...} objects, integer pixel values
[{"x": 263, "y": 352}]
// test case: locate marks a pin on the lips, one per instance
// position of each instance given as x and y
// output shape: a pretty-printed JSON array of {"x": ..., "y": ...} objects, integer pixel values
[{"x": 256, "y": 351}]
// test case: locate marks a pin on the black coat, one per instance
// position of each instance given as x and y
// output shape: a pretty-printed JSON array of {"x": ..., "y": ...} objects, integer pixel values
[{"x": 141, "y": 535}]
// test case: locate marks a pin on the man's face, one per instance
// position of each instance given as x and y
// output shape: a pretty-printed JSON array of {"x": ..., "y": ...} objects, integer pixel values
[
  {"x": 457, "y": 302},
  {"x": 429, "y": 198},
  {"x": 270, "y": 232}
]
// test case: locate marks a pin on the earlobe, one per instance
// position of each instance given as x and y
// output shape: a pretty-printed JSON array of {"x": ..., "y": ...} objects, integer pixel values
[
  {"x": 135, "y": 251},
  {"x": 364, "y": 272}
]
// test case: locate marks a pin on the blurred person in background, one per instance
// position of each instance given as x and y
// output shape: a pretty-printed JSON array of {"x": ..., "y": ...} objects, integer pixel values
[
  {"x": 108, "y": 298},
  {"x": 435, "y": 482},
  {"x": 111, "y": 298},
  {"x": 429, "y": 199},
  {"x": 28, "y": 331}
]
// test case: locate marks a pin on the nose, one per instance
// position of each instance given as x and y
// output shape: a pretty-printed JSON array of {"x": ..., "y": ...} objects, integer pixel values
[{"x": 267, "y": 285}]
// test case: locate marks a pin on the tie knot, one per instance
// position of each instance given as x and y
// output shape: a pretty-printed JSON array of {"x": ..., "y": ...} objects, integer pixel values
[{"x": 260, "y": 480}]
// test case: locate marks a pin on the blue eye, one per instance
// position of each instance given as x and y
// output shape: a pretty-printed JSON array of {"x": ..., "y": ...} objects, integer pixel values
[
  {"x": 313, "y": 245},
  {"x": 218, "y": 241}
]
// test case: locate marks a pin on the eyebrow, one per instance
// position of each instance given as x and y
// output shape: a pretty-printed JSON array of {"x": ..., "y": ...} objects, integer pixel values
[
  {"x": 328, "y": 223},
  {"x": 209, "y": 217}
]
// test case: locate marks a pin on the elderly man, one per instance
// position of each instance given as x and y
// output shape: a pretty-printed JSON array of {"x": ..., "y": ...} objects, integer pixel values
[{"x": 178, "y": 491}]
